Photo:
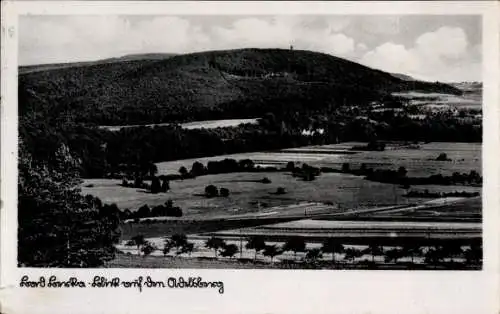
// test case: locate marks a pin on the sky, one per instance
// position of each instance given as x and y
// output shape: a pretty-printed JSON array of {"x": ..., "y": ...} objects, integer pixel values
[{"x": 432, "y": 47}]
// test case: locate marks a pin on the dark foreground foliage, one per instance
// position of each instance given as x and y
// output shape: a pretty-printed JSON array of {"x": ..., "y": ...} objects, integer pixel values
[{"x": 58, "y": 227}]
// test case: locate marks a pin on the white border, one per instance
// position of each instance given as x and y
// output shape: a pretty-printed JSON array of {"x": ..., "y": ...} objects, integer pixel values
[{"x": 259, "y": 291}]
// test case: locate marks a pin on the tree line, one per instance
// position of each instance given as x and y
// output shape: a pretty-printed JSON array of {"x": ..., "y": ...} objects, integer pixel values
[
  {"x": 104, "y": 153},
  {"x": 437, "y": 255},
  {"x": 428, "y": 194},
  {"x": 399, "y": 176}
]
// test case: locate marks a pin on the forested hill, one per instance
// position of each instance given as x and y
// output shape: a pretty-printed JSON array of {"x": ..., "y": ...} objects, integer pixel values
[
  {"x": 55, "y": 66},
  {"x": 205, "y": 85}
]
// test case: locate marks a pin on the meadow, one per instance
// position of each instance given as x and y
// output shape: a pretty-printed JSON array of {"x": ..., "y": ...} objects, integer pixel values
[
  {"x": 249, "y": 196},
  {"x": 418, "y": 162},
  {"x": 208, "y": 124},
  {"x": 471, "y": 99}
]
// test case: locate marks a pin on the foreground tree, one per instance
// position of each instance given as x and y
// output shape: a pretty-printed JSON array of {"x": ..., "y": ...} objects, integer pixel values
[
  {"x": 229, "y": 250},
  {"x": 412, "y": 250},
  {"x": 352, "y": 253},
  {"x": 139, "y": 241},
  {"x": 256, "y": 243},
  {"x": 330, "y": 245},
  {"x": 148, "y": 248},
  {"x": 314, "y": 254},
  {"x": 393, "y": 255},
  {"x": 295, "y": 244},
  {"x": 452, "y": 251},
  {"x": 434, "y": 255},
  {"x": 215, "y": 244},
  {"x": 167, "y": 246},
  {"x": 474, "y": 254},
  {"x": 187, "y": 247},
  {"x": 271, "y": 251},
  {"x": 374, "y": 250},
  {"x": 178, "y": 241},
  {"x": 57, "y": 226}
]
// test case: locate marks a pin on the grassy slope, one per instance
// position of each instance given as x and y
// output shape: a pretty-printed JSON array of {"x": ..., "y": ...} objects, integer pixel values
[{"x": 192, "y": 83}]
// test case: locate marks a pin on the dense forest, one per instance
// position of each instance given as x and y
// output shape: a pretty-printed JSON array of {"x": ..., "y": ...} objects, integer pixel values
[{"x": 202, "y": 86}]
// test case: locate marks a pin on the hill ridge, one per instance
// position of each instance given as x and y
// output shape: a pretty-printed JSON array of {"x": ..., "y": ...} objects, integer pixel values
[{"x": 207, "y": 85}]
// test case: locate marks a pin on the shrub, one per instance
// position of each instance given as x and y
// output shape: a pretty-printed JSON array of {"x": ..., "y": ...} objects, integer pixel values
[
  {"x": 143, "y": 211},
  {"x": 442, "y": 157},
  {"x": 174, "y": 212},
  {"x": 183, "y": 171},
  {"x": 280, "y": 191},
  {"x": 345, "y": 167},
  {"x": 265, "y": 180},
  {"x": 211, "y": 191},
  {"x": 224, "y": 192}
]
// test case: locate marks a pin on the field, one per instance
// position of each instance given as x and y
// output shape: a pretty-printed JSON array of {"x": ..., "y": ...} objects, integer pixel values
[
  {"x": 346, "y": 191},
  {"x": 247, "y": 195},
  {"x": 418, "y": 162},
  {"x": 391, "y": 233},
  {"x": 208, "y": 124},
  {"x": 471, "y": 207},
  {"x": 471, "y": 99},
  {"x": 334, "y": 204}
]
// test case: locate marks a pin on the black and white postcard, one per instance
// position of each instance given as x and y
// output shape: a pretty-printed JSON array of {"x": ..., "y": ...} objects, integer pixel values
[{"x": 221, "y": 157}]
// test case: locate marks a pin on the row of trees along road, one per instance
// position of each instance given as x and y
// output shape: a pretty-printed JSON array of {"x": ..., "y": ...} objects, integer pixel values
[{"x": 434, "y": 255}]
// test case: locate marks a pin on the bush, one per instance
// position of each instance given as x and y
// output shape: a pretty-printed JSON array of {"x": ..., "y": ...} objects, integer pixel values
[
  {"x": 345, "y": 167},
  {"x": 143, "y": 211},
  {"x": 280, "y": 191},
  {"x": 224, "y": 192},
  {"x": 174, "y": 212},
  {"x": 442, "y": 157},
  {"x": 183, "y": 171},
  {"x": 265, "y": 180},
  {"x": 211, "y": 191}
]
